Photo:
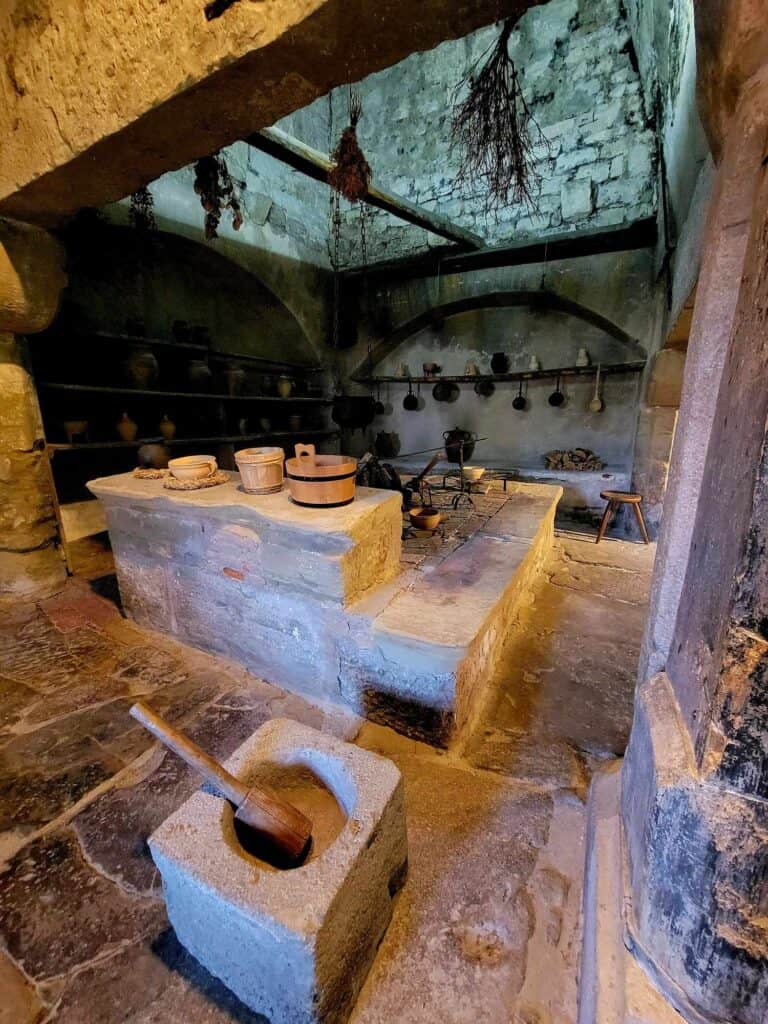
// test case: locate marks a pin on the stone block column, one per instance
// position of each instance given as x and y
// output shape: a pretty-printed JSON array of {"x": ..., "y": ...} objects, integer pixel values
[
  {"x": 31, "y": 281},
  {"x": 695, "y": 778}
]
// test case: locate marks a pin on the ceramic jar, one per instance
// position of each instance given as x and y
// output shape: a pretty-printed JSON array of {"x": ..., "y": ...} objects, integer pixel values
[
  {"x": 141, "y": 368},
  {"x": 453, "y": 444},
  {"x": 500, "y": 362},
  {"x": 284, "y": 386},
  {"x": 199, "y": 375},
  {"x": 582, "y": 359},
  {"x": 167, "y": 428},
  {"x": 234, "y": 378},
  {"x": 126, "y": 428}
]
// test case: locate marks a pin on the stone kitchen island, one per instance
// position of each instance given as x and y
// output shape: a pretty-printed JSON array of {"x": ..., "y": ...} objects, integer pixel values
[{"x": 317, "y": 600}]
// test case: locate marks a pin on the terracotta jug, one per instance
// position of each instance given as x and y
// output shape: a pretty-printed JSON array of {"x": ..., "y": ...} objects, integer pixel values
[
  {"x": 126, "y": 428},
  {"x": 284, "y": 387},
  {"x": 167, "y": 428}
]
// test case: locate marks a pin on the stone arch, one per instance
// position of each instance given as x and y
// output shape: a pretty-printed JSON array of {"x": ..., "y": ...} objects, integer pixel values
[{"x": 542, "y": 299}]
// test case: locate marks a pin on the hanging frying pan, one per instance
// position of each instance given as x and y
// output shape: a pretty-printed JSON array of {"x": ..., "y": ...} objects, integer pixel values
[
  {"x": 518, "y": 402},
  {"x": 410, "y": 402},
  {"x": 597, "y": 404},
  {"x": 557, "y": 397},
  {"x": 485, "y": 388},
  {"x": 379, "y": 407},
  {"x": 445, "y": 391}
]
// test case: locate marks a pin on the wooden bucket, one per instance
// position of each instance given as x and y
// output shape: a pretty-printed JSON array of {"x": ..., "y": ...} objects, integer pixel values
[
  {"x": 320, "y": 481},
  {"x": 261, "y": 469}
]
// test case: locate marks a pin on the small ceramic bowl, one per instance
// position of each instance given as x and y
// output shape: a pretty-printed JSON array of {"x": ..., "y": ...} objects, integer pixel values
[
  {"x": 473, "y": 473},
  {"x": 426, "y": 518},
  {"x": 193, "y": 467}
]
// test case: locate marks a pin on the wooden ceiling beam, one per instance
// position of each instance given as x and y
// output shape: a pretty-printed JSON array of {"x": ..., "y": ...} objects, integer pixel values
[{"x": 316, "y": 165}]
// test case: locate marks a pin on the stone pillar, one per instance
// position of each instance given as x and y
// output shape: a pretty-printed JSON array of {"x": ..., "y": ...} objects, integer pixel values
[
  {"x": 31, "y": 280},
  {"x": 695, "y": 778}
]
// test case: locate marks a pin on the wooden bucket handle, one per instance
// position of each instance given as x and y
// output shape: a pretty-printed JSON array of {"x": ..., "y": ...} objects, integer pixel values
[{"x": 305, "y": 453}]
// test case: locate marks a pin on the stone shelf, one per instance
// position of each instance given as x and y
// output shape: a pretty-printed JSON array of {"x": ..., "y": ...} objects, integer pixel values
[
  {"x": 563, "y": 371},
  {"x": 224, "y": 439},
  {"x": 193, "y": 346},
  {"x": 141, "y": 393}
]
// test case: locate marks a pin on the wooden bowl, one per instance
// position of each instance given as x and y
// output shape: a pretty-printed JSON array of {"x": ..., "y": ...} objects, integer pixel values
[{"x": 426, "y": 518}]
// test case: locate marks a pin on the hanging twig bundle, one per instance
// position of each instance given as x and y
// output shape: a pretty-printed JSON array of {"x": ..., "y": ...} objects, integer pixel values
[
  {"x": 214, "y": 185},
  {"x": 351, "y": 174},
  {"x": 491, "y": 128}
]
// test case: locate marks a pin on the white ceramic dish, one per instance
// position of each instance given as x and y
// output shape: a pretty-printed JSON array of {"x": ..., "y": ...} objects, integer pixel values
[{"x": 473, "y": 473}]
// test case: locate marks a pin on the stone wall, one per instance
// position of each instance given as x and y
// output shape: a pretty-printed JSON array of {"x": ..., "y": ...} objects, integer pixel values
[
  {"x": 597, "y": 160},
  {"x": 617, "y": 286}
]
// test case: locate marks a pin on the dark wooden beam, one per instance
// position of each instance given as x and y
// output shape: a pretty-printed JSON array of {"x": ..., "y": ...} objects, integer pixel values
[
  {"x": 316, "y": 165},
  {"x": 642, "y": 234}
]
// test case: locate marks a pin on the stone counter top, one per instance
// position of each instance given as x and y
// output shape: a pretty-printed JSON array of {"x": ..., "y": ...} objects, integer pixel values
[{"x": 229, "y": 501}]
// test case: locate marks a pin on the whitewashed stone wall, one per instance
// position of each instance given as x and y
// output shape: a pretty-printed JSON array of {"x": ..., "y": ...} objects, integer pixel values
[{"x": 597, "y": 165}]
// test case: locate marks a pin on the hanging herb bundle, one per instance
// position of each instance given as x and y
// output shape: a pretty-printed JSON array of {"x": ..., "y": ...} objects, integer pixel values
[
  {"x": 141, "y": 214},
  {"x": 350, "y": 175},
  {"x": 217, "y": 191},
  {"x": 492, "y": 129}
]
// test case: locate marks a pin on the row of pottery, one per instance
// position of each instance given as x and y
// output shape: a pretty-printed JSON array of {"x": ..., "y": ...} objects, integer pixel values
[{"x": 499, "y": 364}]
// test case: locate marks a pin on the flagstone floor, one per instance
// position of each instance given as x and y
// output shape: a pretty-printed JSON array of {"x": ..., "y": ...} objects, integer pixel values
[{"x": 486, "y": 927}]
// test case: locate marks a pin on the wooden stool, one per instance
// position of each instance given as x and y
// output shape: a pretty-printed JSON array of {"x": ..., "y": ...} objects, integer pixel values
[{"x": 614, "y": 499}]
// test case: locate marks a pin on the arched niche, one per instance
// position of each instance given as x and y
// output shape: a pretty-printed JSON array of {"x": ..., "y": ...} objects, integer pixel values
[
  {"x": 539, "y": 305},
  {"x": 117, "y": 274}
]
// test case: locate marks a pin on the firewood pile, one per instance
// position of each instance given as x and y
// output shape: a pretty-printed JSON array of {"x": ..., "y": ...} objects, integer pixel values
[{"x": 578, "y": 458}]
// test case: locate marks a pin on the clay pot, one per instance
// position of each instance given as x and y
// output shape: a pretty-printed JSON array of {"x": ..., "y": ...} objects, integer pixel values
[
  {"x": 284, "y": 386},
  {"x": 387, "y": 444},
  {"x": 126, "y": 428},
  {"x": 199, "y": 375},
  {"x": 265, "y": 424},
  {"x": 234, "y": 379},
  {"x": 261, "y": 469},
  {"x": 453, "y": 447},
  {"x": 425, "y": 518},
  {"x": 152, "y": 456},
  {"x": 167, "y": 428},
  {"x": 141, "y": 368},
  {"x": 294, "y": 422},
  {"x": 500, "y": 362},
  {"x": 193, "y": 467}
]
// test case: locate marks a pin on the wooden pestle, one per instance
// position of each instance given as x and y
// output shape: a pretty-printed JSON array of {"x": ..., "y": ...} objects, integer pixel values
[{"x": 282, "y": 824}]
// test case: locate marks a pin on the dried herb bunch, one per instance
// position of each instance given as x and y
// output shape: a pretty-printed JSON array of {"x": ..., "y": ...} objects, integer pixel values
[
  {"x": 218, "y": 192},
  {"x": 492, "y": 129},
  {"x": 351, "y": 174},
  {"x": 142, "y": 211}
]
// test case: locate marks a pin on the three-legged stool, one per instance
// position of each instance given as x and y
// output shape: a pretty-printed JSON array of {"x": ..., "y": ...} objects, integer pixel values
[{"x": 614, "y": 499}]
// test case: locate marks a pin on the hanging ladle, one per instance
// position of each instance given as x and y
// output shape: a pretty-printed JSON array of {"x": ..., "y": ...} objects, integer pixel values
[
  {"x": 596, "y": 405},
  {"x": 557, "y": 397},
  {"x": 410, "y": 402},
  {"x": 518, "y": 402},
  {"x": 379, "y": 409}
]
